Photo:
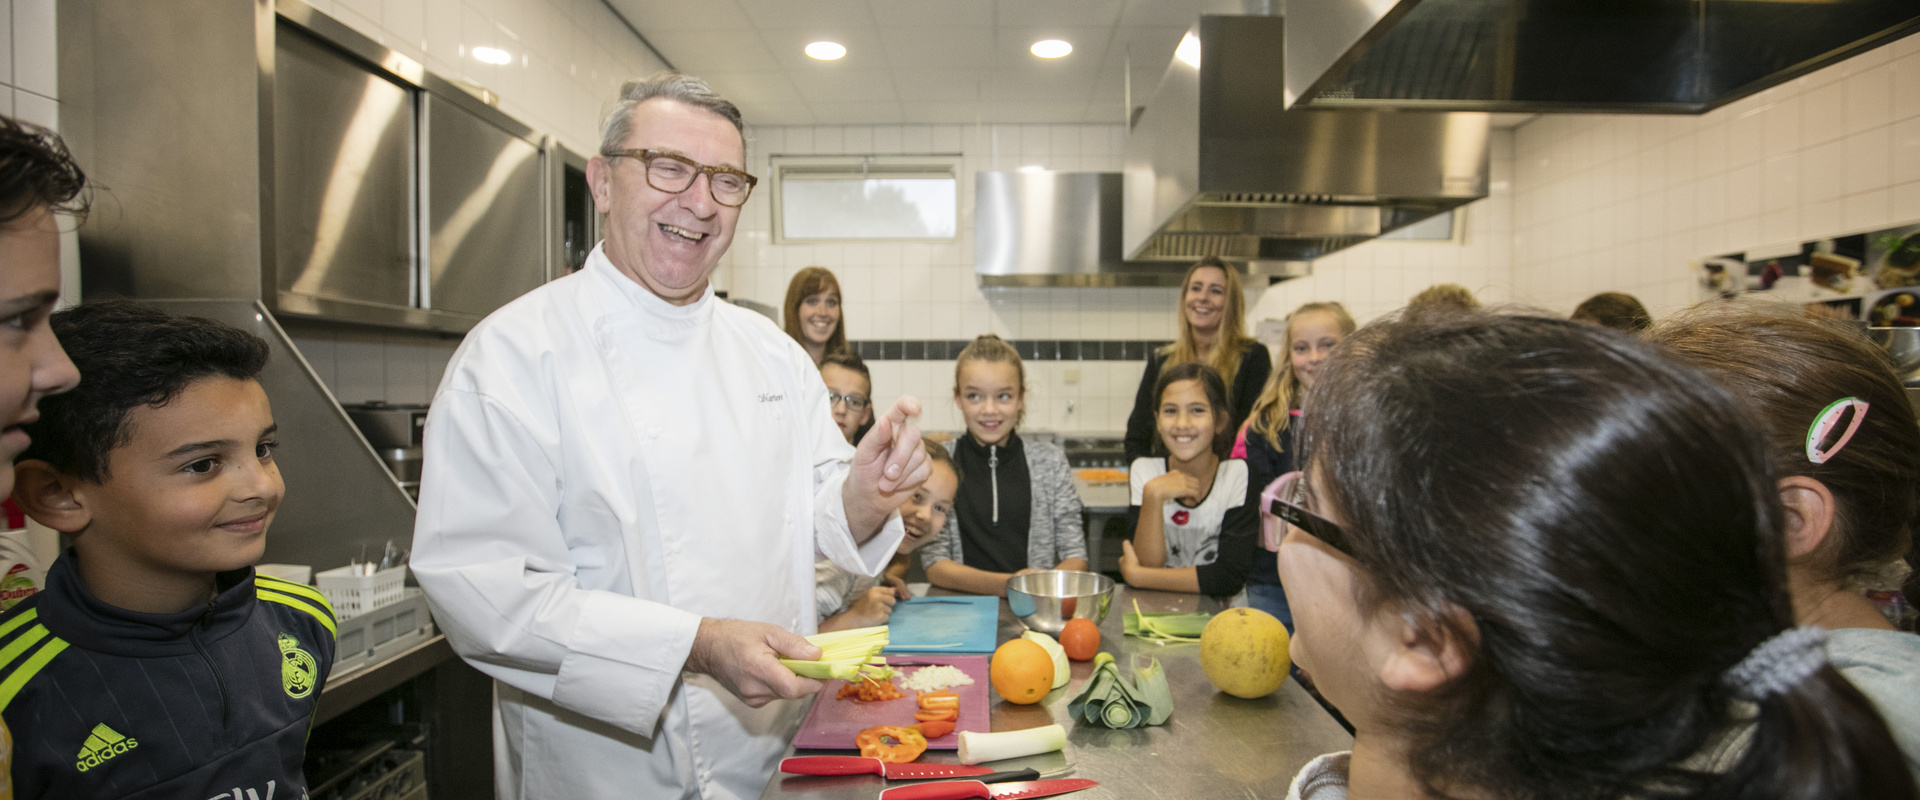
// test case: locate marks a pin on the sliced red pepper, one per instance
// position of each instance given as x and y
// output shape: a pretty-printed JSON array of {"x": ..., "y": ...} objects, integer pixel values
[
  {"x": 935, "y": 729},
  {"x": 907, "y": 743},
  {"x": 931, "y": 715}
]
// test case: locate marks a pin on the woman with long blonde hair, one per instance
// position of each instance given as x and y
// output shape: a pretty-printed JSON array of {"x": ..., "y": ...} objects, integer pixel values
[{"x": 1213, "y": 331}]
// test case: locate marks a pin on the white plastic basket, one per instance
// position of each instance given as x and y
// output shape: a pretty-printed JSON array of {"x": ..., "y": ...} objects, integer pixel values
[{"x": 353, "y": 593}]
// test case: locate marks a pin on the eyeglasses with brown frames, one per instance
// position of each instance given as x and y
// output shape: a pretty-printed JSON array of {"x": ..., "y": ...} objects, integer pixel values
[{"x": 673, "y": 174}]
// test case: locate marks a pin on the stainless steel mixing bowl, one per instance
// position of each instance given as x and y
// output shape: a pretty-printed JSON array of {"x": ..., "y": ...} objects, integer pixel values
[
  {"x": 1044, "y": 601},
  {"x": 1903, "y": 346}
]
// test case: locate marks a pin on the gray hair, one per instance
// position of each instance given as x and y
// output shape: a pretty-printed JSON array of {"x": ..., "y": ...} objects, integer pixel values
[{"x": 673, "y": 86}]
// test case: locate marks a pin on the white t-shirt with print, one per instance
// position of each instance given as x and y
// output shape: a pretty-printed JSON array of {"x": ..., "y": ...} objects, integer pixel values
[{"x": 1193, "y": 534}]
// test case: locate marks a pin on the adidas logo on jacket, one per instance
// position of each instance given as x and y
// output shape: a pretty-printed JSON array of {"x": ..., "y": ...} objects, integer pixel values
[{"x": 109, "y": 703}]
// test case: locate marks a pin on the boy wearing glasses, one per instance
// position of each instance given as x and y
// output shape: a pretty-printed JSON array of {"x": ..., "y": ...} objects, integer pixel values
[{"x": 850, "y": 390}]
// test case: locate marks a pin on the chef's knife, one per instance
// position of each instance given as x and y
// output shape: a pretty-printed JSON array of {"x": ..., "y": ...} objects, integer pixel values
[
  {"x": 856, "y": 765},
  {"x": 962, "y": 790}
]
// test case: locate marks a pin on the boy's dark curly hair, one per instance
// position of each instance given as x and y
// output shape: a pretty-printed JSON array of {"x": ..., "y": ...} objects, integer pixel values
[
  {"x": 129, "y": 356},
  {"x": 35, "y": 171}
]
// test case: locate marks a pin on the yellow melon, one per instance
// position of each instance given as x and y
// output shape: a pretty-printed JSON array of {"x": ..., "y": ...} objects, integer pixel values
[{"x": 1244, "y": 652}]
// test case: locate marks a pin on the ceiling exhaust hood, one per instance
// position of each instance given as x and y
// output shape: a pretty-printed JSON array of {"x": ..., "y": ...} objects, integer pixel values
[
  {"x": 1045, "y": 229},
  {"x": 1216, "y": 166},
  {"x": 1624, "y": 56}
]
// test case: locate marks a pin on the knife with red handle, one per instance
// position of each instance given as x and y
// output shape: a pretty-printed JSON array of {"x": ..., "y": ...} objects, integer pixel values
[
  {"x": 962, "y": 790},
  {"x": 856, "y": 765}
]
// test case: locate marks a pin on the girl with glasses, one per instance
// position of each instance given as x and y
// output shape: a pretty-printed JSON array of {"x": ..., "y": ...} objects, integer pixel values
[
  {"x": 1193, "y": 528},
  {"x": 1841, "y": 435},
  {"x": 1556, "y": 569},
  {"x": 1018, "y": 511}
]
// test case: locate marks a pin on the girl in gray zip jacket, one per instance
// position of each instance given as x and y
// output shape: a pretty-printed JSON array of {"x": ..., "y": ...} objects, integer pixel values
[{"x": 1016, "y": 510}]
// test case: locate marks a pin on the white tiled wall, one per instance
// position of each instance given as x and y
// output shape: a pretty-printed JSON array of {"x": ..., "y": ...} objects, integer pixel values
[
  {"x": 1377, "y": 277},
  {"x": 362, "y": 365},
  {"x": 922, "y": 291},
  {"x": 30, "y": 90},
  {"x": 568, "y": 56},
  {"x": 1627, "y": 203}
]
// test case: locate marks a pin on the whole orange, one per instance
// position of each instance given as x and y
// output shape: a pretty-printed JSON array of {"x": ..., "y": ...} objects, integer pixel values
[
  {"x": 1021, "y": 672},
  {"x": 1081, "y": 639}
]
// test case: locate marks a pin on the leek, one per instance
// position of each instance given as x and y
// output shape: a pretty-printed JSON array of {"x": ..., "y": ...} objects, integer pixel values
[
  {"x": 1164, "y": 628},
  {"x": 846, "y": 655},
  {"x": 1112, "y": 701},
  {"x": 978, "y": 746}
]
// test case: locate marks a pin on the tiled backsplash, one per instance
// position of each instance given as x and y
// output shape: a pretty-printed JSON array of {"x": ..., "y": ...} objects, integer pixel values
[
  {"x": 1029, "y": 349},
  {"x": 1628, "y": 203},
  {"x": 1374, "y": 278}
]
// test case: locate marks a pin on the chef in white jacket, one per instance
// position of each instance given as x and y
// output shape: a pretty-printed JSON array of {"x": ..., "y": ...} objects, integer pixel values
[{"x": 628, "y": 483}]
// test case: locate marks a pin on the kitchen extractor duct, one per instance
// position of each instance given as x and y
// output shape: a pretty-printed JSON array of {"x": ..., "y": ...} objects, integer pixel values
[
  {"x": 1216, "y": 166},
  {"x": 1036, "y": 228},
  {"x": 1623, "y": 56}
]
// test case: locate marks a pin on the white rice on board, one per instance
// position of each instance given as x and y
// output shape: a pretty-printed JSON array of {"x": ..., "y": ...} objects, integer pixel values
[{"x": 935, "y": 678}]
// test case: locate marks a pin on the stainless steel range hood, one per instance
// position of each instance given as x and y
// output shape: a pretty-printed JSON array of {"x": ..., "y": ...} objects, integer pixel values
[
  {"x": 1217, "y": 166},
  {"x": 1631, "y": 56}
]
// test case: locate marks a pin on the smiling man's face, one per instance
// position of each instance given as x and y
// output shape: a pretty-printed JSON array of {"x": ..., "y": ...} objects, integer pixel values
[{"x": 668, "y": 243}]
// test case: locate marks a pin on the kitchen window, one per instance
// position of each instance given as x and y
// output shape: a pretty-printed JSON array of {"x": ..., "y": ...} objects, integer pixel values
[{"x": 896, "y": 198}]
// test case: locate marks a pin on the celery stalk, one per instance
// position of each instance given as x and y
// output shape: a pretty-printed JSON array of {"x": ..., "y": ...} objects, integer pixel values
[{"x": 845, "y": 655}]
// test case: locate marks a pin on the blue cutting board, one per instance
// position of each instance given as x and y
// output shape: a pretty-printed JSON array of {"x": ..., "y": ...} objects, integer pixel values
[{"x": 917, "y": 624}]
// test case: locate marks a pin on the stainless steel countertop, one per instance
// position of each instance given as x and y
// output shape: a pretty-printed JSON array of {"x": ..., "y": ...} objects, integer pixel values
[{"x": 1213, "y": 746}]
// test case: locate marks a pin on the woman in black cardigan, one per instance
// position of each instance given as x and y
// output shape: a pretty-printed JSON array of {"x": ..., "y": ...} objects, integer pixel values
[{"x": 1213, "y": 331}]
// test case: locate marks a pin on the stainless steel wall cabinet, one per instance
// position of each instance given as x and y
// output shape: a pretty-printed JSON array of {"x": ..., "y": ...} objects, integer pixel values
[{"x": 261, "y": 150}]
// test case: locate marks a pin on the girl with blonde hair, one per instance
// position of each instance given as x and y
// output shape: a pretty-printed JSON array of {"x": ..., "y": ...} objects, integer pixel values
[{"x": 1266, "y": 441}]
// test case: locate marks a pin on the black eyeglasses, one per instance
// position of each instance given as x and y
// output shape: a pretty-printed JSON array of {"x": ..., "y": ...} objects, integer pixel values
[
  {"x": 1286, "y": 499},
  {"x": 674, "y": 174},
  {"x": 855, "y": 403}
]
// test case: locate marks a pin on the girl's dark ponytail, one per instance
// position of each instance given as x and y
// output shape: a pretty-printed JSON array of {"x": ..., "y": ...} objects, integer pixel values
[{"x": 1820, "y": 739}]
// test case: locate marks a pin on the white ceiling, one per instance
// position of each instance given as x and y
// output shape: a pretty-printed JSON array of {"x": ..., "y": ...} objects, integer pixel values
[
  {"x": 926, "y": 61},
  {"x": 919, "y": 61}
]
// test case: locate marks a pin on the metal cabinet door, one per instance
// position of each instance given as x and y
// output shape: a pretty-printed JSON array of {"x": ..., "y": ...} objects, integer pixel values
[
  {"x": 486, "y": 215},
  {"x": 343, "y": 177}
]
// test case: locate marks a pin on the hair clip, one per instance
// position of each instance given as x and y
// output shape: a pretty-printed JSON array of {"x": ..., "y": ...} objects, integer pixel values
[{"x": 1829, "y": 419}]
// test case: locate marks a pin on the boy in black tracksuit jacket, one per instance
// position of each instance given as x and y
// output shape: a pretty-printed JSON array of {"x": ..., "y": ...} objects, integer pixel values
[{"x": 156, "y": 664}]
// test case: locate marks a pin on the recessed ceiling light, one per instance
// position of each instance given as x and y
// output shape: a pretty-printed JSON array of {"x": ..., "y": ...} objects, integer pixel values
[
  {"x": 1189, "y": 50},
  {"x": 826, "y": 51},
  {"x": 1033, "y": 168},
  {"x": 1051, "y": 48},
  {"x": 492, "y": 55}
]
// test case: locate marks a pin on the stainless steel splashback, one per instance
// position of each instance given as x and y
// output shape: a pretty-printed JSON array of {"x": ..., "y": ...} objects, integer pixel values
[{"x": 1216, "y": 166}]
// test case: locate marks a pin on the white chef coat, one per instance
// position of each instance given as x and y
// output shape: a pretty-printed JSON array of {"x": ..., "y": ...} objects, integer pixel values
[{"x": 603, "y": 469}]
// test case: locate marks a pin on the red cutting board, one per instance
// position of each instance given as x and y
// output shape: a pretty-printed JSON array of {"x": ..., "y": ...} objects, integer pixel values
[{"x": 831, "y": 724}]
